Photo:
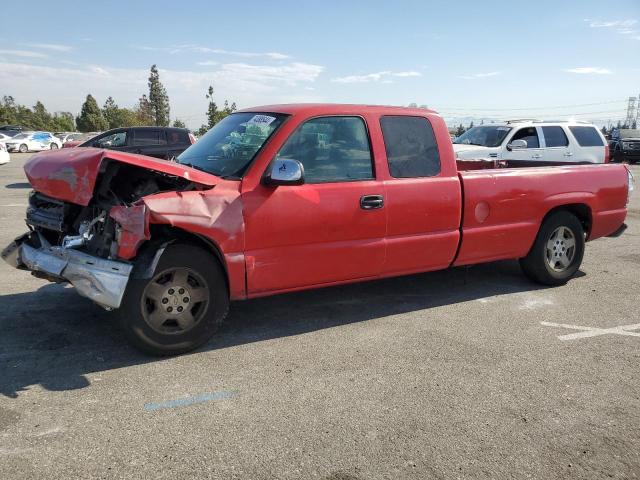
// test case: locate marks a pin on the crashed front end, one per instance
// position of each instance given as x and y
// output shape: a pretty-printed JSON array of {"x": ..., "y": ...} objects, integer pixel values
[
  {"x": 87, "y": 218},
  {"x": 101, "y": 280}
]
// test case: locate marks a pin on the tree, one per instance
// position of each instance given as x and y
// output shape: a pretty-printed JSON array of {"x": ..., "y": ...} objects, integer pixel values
[
  {"x": 460, "y": 130},
  {"x": 158, "y": 99},
  {"x": 63, "y": 122},
  {"x": 214, "y": 115},
  {"x": 144, "y": 112},
  {"x": 110, "y": 113},
  {"x": 634, "y": 125},
  {"x": 604, "y": 130},
  {"x": 91, "y": 118},
  {"x": 470, "y": 125},
  {"x": 179, "y": 123}
]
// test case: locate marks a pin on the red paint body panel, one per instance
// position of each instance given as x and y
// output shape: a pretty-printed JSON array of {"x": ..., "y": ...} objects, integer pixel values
[
  {"x": 70, "y": 175},
  {"x": 279, "y": 239},
  {"x": 503, "y": 208}
]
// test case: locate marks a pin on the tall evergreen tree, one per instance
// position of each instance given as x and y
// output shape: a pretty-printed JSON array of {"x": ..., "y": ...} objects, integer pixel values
[
  {"x": 179, "y": 123},
  {"x": 91, "y": 118},
  {"x": 110, "y": 113},
  {"x": 144, "y": 112},
  {"x": 158, "y": 99}
]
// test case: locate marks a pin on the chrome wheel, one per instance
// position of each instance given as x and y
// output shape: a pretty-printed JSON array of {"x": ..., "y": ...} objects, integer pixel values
[
  {"x": 175, "y": 300},
  {"x": 561, "y": 248}
]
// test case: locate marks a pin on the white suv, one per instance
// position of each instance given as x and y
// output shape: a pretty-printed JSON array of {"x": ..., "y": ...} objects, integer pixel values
[{"x": 534, "y": 141}]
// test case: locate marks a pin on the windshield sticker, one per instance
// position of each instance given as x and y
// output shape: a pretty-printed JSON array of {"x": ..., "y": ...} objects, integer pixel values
[{"x": 261, "y": 120}]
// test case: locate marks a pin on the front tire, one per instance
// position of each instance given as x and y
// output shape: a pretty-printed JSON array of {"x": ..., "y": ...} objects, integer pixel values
[
  {"x": 23, "y": 148},
  {"x": 180, "y": 307},
  {"x": 557, "y": 253},
  {"x": 53, "y": 146}
]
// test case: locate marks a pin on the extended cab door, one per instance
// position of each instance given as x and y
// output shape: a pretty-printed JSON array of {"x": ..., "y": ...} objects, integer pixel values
[
  {"x": 325, "y": 230},
  {"x": 423, "y": 194}
]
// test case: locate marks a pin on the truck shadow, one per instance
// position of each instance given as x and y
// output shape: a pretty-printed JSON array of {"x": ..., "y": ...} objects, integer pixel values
[{"x": 53, "y": 338}]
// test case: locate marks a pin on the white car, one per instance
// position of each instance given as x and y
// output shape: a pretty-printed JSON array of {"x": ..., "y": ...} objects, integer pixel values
[
  {"x": 33, "y": 142},
  {"x": 4, "y": 155},
  {"x": 534, "y": 141}
]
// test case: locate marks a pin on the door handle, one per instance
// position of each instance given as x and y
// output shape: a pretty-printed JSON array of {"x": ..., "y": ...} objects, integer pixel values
[
  {"x": 568, "y": 154},
  {"x": 370, "y": 202},
  {"x": 536, "y": 155}
]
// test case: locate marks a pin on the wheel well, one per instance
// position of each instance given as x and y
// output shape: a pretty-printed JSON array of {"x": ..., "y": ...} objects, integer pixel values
[
  {"x": 580, "y": 210},
  {"x": 161, "y": 235}
]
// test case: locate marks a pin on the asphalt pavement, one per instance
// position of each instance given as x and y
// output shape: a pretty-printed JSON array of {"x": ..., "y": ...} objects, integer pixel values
[{"x": 466, "y": 373}]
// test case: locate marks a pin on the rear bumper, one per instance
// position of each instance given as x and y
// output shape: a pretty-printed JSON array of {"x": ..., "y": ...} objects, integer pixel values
[
  {"x": 103, "y": 281},
  {"x": 619, "y": 231}
]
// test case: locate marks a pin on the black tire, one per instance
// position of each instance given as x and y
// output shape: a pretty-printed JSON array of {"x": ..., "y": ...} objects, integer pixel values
[
  {"x": 141, "y": 306},
  {"x": 23, "y": 148},
  {"x": 537, "y": 264},
  {"x": 53, "y": 146}
]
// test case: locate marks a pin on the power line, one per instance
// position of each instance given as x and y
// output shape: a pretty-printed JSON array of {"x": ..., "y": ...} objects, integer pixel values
[{"x": 534, "y": 108}]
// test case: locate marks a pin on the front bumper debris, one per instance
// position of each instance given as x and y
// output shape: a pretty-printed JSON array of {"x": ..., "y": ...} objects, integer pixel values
[{"x": 101, "y": 280}]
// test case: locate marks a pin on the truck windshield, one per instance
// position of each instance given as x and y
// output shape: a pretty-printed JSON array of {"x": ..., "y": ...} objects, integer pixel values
[
  {"x": 484, "y": 135},
  {"x": 230, "y": 146}
]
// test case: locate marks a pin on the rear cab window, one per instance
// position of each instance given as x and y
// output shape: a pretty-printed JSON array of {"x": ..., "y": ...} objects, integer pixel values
[
  {"x": 587, "y": 136},
  {"x": 411, "y": 147}
]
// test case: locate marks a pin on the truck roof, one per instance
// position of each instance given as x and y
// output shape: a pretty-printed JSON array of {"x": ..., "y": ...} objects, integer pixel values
[{"x": 336, "y": 108}]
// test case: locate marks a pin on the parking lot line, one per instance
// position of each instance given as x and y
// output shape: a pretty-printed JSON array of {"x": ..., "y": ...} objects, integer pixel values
[
  {"x": 587, "y": 332},
  {"x": 183, "y": 402}
]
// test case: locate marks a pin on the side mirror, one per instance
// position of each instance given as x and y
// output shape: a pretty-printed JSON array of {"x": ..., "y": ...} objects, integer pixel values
[
  {"x": 517, "y": 145},
  {"x": 285, "y": 171}
]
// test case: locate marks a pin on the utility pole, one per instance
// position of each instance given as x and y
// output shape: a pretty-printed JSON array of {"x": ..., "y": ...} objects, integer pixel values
[{"x": 631, "y": 112}]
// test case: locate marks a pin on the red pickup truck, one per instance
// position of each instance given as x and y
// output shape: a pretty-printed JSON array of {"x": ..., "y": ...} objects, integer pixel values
[{"x": 288, "y": 197}]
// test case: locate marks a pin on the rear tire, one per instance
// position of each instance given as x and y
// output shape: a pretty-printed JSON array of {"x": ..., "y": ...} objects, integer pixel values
[
  {"x": 23, "y": 148},
  {"x": 180, "y": 307},
  {"x": 557, "y": 253},
  {"x": 53, "y": 146}
]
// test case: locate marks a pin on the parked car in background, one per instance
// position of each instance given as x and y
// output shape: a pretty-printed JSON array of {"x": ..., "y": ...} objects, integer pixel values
[
  {"x": 76, "y": 139},
  {"x": 11, "y": 130},
  {"x": 625, "y": 145},
  {"x": 33, "y": 142},
  {"x": 65, "y": 136},
  {"x": 160, "y": 142},
  {"x": 4, "y": 137},
  {"x": 535, "y": 142},
  {"x": 4, "y": 155}
]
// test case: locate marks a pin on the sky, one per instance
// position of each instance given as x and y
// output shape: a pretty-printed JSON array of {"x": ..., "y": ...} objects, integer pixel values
[{"x": 465, "y": 59}]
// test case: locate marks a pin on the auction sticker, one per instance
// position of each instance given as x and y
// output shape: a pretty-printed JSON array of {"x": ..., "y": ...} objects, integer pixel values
[{"x": 261, "y": 119}]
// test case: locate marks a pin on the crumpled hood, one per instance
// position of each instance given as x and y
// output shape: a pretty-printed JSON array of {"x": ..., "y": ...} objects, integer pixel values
[{"x": 70, "y": 174}]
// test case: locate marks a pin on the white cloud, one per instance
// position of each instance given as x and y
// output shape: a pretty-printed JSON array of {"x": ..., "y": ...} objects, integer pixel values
[
  {"x": 23, "y": 53},
  {"x": 50, "y": 46},
  {"x": 382, "y": 77},
  {"x": 589, "y": 70},
  {"x": 219, "y": 51},
  {"x": 64, "y": 88},
  {"x": 475, "y": 76},
  {"x": 610, "y": 24},
  {"x": 207, "y": 63},
  {"x": 623, "y": 27}
]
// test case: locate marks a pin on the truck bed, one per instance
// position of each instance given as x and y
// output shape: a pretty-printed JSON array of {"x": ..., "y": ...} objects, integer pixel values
[{"x": 504, "y": 207}]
